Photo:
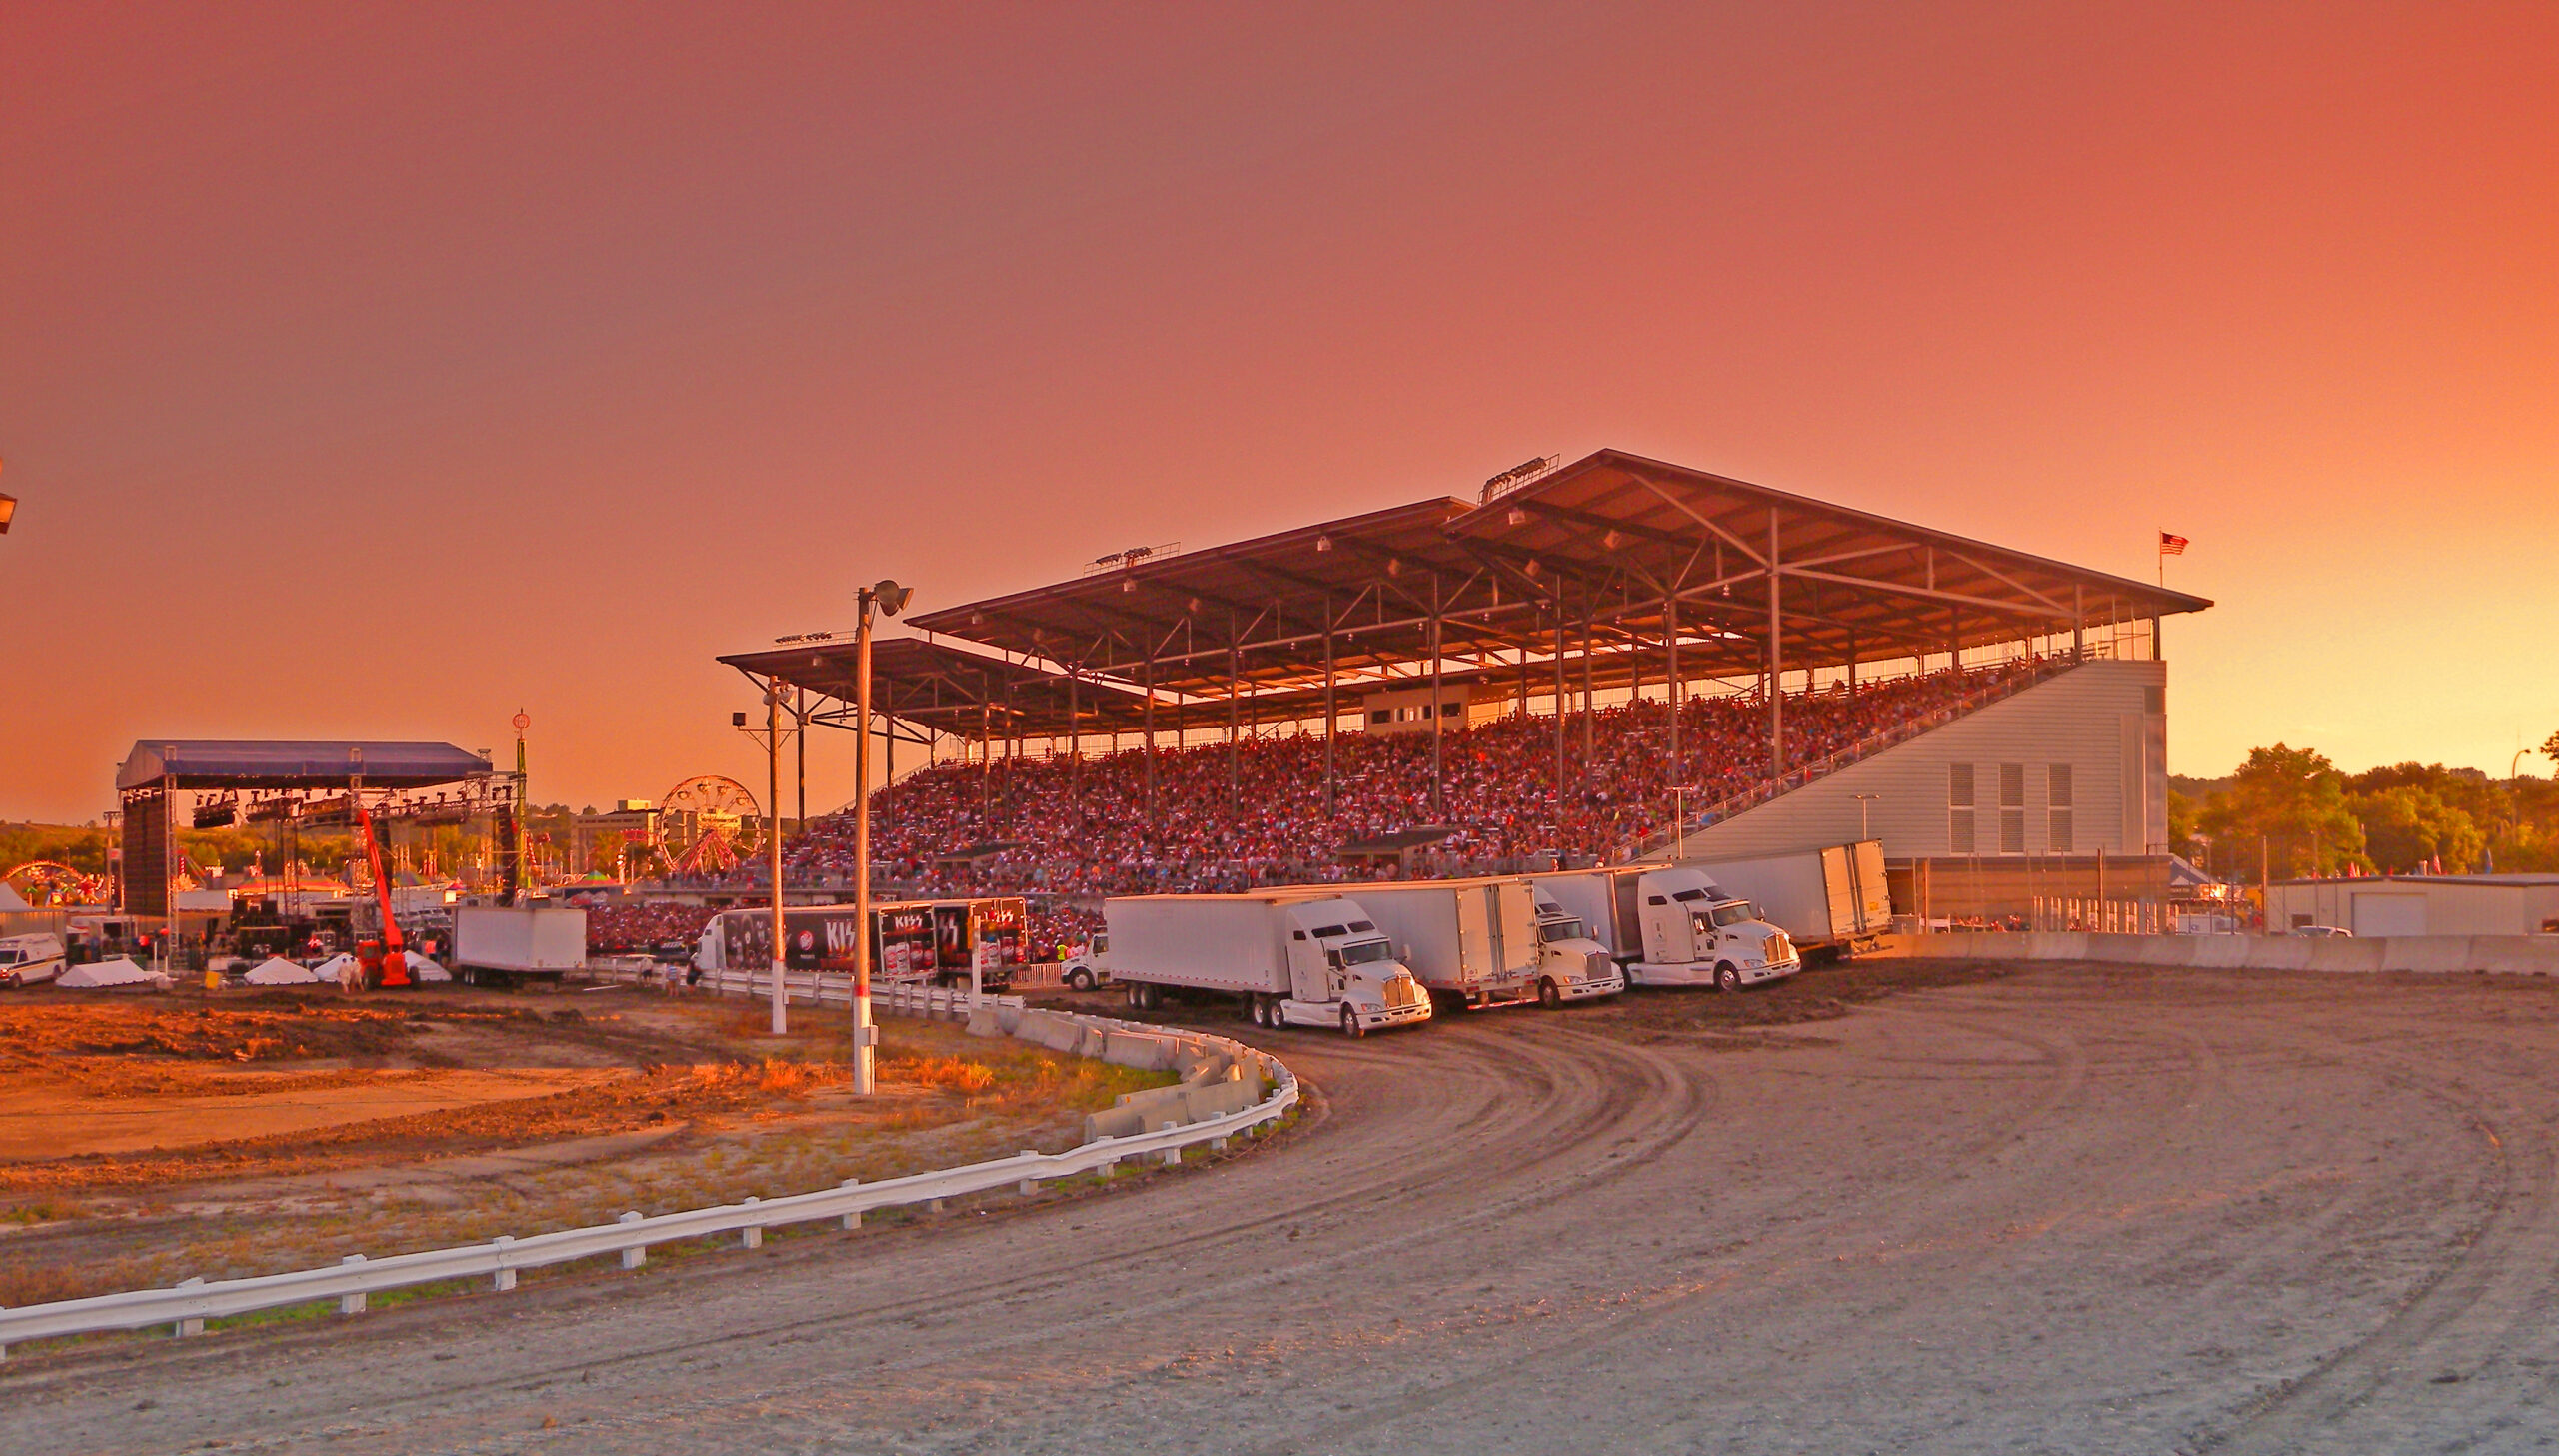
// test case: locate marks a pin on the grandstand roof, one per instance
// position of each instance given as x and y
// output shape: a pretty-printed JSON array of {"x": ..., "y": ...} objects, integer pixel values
[
  {"x": 951, "y": 687},
  {"x": 1599, "y": 551},
  {"x": 1850, "y": 584}
]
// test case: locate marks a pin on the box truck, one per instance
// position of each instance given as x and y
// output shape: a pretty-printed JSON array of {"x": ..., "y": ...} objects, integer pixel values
[
  {"x": 1481, "y": 943},
  {"x": 507, "y": 944},
  {"x": 1669, "y": 925},
  {"x": 1293, "y": 960},
  {"x": 911, "y": 941},
  {"x": 1829, "y": 901}
]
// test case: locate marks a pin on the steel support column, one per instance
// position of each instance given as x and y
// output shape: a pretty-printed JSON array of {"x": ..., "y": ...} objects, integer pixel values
[
  {"x": 1331, "y": 716},
  {"x": 1439, "y": 700},
  {"x": 1777, "y": 657},
  {"x": 1671, "y": 687},
  {"x": 1151, "y": 731},
  {"x": 1234, "y": 721},
  {"x": 1590, "y": 706},
  {"x": 1559, "y": 721}
]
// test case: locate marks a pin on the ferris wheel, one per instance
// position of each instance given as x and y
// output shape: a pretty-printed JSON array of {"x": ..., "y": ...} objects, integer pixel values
[{"x": 706, "y": 824}]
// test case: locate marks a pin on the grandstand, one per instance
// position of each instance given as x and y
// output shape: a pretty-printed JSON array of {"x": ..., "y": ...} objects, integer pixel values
[{"x": 1614, "y": 659}]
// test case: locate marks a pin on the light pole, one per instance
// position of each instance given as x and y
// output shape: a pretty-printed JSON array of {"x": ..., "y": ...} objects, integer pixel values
[
  {"x": 891, "y": 598},
  {"x": 1680, "y": 813},
  {"x": 772, "y": 740},
  {"x": 1863, "y": 800}
]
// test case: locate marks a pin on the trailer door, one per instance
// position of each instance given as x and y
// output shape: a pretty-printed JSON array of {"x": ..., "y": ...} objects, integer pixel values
[
  {"x": 1838, "y": 893},
  {"x": 1474, "y": 938},
  {"x": 1516, "y": 920}
]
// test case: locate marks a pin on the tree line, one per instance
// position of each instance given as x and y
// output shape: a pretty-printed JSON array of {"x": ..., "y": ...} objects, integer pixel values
[{"x": 2289, "y": 813}]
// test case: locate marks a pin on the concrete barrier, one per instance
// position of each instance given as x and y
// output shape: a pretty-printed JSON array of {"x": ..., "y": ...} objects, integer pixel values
[{"x": 2428, "y": 954}]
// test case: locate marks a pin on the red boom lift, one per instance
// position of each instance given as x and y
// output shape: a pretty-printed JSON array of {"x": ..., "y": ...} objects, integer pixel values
[{"x": 385, "y": 961}]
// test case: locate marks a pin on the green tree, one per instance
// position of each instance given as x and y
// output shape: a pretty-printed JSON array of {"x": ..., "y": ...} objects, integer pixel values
[
  {"x": 2295, "y": 800},
  {"x": 2405, "y": 827}
]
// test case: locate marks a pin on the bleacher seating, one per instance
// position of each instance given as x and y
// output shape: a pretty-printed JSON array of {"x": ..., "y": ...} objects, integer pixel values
[{"x": 1224, "y": 821}]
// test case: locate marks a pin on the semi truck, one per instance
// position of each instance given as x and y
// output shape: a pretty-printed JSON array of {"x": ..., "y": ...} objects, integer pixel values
[
  {"x": 507, "y": 943},
  {"x": 1831, "y": 901},
  {"x": 1669, "y": 925},
  {"x": 1483, "y": 942},
  {"x": 912, "y": 940},
  {"x": 1291, "y": 958}
]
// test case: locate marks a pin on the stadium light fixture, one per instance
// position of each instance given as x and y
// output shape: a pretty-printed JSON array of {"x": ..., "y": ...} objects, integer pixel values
[
  {"x": 891, "y": 598},
  {"x": 1323, "y": 543}
]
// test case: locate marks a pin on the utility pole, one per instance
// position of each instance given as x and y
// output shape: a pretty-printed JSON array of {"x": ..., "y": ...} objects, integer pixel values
[
  {"x": 773, "y": 831},
  {"x": 889, "y": 597}
]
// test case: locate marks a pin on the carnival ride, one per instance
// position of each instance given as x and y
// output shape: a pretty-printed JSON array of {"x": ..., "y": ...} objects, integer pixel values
[
  {"x": 46, "y": 884},
  {"x": 705, "y": 825}
]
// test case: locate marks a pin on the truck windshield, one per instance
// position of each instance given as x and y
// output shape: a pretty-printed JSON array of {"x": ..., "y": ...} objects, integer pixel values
[
  {"x": 1363, "y": 953},
  {"x": 1553, "y": 931},
  {"x": 1735, "y": 913}
]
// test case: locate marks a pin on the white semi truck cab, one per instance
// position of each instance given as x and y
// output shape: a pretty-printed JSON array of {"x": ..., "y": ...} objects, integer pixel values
[
  {"x": 1694, "y": 934},
  {"x": 1577, "y": 966},
  {"x": 1339, "y": 967}
]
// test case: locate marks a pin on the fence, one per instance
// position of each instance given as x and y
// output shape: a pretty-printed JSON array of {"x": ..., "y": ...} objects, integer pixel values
[
  {"x": 186, "y": 1307},
  {"x": 2103, "y": 916}
]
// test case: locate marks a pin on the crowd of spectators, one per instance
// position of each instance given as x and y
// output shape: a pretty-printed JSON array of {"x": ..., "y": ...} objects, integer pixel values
[
  {"x": 636, "y": 928},
  {"x": 1225, "y": 819}
]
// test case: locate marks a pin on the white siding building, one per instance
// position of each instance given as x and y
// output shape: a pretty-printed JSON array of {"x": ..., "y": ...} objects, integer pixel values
[
  {"x": 2438, "y": 905},
  {"x": 2075, "y": 765}
]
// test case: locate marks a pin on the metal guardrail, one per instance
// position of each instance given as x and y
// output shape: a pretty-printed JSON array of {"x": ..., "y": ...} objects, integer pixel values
[
  {"x": 187, "y": 1306},
  {"x": 809, "y": 988}
]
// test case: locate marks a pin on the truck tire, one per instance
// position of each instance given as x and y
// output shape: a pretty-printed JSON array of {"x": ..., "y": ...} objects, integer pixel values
[
  {"x": 1728, "y": 976},
  {"x": 1134, "y": 1003},
  {"x": 1080, "y": 980},
  {"x": 1351, "y": 1025},
  {"x": 1550, "y": 996}
]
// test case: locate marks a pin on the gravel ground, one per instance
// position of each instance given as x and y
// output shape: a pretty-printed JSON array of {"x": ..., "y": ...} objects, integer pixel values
[{"x": 2080, "y": 1209}]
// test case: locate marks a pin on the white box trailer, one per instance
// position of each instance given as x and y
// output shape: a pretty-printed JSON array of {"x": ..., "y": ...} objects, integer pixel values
[
  {"x": 1293, "y": 958},
  {"x": 1481, "y": 943},
  {"x": 1671, "y": 925},
  {"x": 1829, "y": 899},
  {"x": 509, "y": 943}
]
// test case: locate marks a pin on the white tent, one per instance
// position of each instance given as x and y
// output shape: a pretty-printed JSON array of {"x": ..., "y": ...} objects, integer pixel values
[
  {"x": 10, "y": 899},
  {"x": 278, "y": 972},
  {"x": 329, "y": 968},
  {"x": 424, "y": 970},
  {"x": 120, "y": 971}
]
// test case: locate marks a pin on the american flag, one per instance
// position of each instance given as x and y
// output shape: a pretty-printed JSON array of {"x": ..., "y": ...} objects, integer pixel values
[{"x": 2171, "y": 544}]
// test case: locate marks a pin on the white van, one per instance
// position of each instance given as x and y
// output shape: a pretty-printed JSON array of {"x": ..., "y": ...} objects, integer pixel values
[{"x": 26, "y": 961}]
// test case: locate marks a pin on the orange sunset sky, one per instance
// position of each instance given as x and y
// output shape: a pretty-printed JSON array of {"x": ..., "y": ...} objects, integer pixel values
[{"x": 373, "y": 370}]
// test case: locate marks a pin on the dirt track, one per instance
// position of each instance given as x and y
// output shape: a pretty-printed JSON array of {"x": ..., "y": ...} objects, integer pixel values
[{"x": 2078, "y": 1210}]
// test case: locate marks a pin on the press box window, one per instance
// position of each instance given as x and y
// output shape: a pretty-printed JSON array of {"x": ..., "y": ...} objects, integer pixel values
[
  {"x": 2057, "y": 797},
  {"x": 2012, "y": 809},
  {"x": 1959, "y": 837}
]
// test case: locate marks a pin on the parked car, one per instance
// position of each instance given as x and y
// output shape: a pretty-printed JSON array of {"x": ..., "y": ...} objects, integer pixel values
[{"x": 2323, "y": 933}]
